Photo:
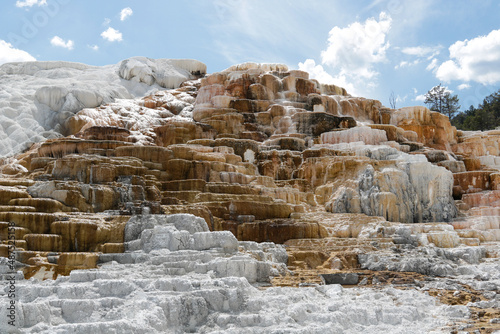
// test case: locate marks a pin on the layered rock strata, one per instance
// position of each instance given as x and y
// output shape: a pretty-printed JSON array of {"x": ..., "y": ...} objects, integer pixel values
[{"x": 179, "y": 200}]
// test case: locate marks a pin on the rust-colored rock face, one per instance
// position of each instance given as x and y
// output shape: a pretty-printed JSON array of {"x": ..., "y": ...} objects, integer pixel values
[
  {"x": 263, "y": 152},
  {"x": 432, "y": 128}
]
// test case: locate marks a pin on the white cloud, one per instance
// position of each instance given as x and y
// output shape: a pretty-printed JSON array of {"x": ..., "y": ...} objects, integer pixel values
[
  {"x": 420, "y": 98},
  {"x": 351, "y": 54},
  {"x": 30, "y": 3},
  {"x": 407, "y": 64},
  {"x": 463, "y": 86},
  {"x": 106, "y": 22},
  {"x": 318, "y": 72},
  {"x": 94, "y": 47},
  {"x": 400, "y": 99},
  {"x": 59, "y": 42},
  {"x": 112, "y": 35},
  {"x": 432, "y": 65},
  {"x": 407, "y": 15},
  {"x": 10, "y": 54},
  {"x": 477, "y": 60},
  {"x": 421, "y": 51},
  {"x": 354, "y": 50},
  {"x": 401, "y": 64},
  {"x": 415, "y": 91},
  {"x": 126, "y": 12}
]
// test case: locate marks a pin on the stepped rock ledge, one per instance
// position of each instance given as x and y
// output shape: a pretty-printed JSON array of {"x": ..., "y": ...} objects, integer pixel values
[{"x": 153, "y": 197}]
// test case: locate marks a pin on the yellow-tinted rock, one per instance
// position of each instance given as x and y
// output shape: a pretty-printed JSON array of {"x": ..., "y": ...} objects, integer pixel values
[
  {"x": 76, "y": 236},
  {"x": 112, "y": 248},
  {"x": 105, "y": 133},
  {"x": 17, "y": 232},
  {"x": 33, "y": 221},
  {"x": 277, "y": 231},
  {"x": 78, "y": 260},
  {"x": 58, "y": 148},
  {"x": 8, "y": 193},
  {"x": 44, "y": 242},
  {"x": 47, "y": 205},
  {"x": 178, "y": 132}
]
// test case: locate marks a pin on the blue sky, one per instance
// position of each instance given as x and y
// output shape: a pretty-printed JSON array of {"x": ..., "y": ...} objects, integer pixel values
[{"x": 369, "y": 47}]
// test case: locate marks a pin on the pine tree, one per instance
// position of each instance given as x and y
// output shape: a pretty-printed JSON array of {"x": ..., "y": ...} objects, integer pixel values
[
  {"x": 485, "y": 117},
  {"x": 439, "y": 99}
]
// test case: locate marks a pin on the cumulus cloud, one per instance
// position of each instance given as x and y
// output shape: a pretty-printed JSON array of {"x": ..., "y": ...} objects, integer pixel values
[
  {"x": 10, "y": 54},
  {"x": 353, "y": 50},
  {"x": 477, "y": 60},
  {"x": 126, "y": 12},
  {"x": 318, "y": 72},
  {"x": 350, "y": 55},
  {"x": 59, "y": 42},
  {"x": 112, "y": 35},
  {"x": 94, "y": 47},
  {"x": 30, "y": 3},
  {"x": 463, "y": 86}
]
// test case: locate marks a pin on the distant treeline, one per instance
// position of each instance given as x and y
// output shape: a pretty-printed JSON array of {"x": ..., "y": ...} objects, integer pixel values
[{"x": 485, "y": 117}]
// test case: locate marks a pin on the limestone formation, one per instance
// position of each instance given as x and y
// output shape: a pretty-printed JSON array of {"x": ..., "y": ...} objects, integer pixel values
[{"x": 162, "y": 204}]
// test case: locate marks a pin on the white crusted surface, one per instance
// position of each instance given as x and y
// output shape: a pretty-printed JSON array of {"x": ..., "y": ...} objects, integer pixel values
[
  {"x": 139, "y": 298},
  {"x": 208, "y": 291},
  {"x": 36, "y": 98},
  {"x": 364, "y": 134}
]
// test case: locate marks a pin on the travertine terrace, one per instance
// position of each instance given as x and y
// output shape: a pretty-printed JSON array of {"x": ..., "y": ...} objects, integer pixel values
[{"x": 151, "y": 196}]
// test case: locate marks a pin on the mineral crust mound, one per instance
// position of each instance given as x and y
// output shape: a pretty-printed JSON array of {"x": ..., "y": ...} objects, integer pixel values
[{"x": 152, "y": 197}]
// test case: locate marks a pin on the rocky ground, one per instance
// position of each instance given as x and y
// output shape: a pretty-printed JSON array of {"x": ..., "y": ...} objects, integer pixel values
[{"x": 247, "y": 201}]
